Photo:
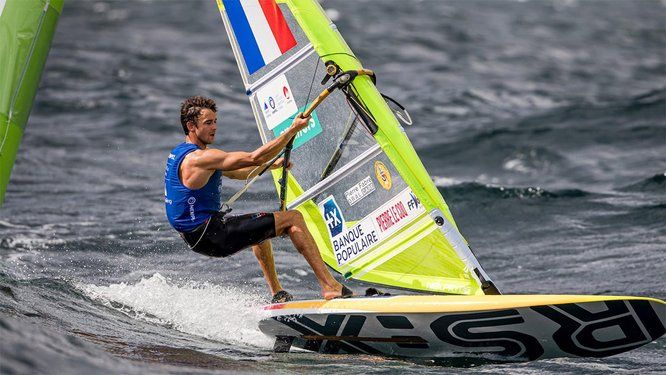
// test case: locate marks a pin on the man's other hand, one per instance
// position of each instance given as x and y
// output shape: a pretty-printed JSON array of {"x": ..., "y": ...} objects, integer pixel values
[
  {"x": 300, "y": 122},
  {"x": 278, "y": 164}
]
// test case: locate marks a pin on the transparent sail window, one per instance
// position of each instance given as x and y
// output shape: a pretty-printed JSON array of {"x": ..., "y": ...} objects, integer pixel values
[{"x": 335, "y": 135}]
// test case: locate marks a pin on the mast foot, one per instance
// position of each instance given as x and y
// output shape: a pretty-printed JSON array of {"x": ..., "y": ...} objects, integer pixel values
[{"x": 489, "y": 288}]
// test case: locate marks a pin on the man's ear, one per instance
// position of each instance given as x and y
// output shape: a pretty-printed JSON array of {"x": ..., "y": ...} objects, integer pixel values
[{"x": 191, "y": 125}]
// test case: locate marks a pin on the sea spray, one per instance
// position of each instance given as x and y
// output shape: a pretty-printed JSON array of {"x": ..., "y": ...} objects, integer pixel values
[{"x": 221, "y": 313}]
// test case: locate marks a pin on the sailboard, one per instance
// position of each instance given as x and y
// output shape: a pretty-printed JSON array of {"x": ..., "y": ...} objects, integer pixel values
[
  {"x": 505, "y": 327},
  {"x": 377, "y": 217}
]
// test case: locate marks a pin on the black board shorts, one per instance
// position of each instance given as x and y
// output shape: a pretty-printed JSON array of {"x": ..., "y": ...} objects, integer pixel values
[{"x": 221, "y": 236}]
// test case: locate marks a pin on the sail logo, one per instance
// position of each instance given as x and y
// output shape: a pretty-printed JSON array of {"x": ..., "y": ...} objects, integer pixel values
[
  {"x": 333, "y": 216},
  {"x": 362, "y": 236},
  {"x": 413, "y": 202},
  {"x": 303, "y": 136},
  {"x": 393, "y": 215},
  {"x": 359, "y": 191},
  {"x": 383, "y": 175},
  {"x": 347, "y": 243},
  {"x": 276, "y": 101}
]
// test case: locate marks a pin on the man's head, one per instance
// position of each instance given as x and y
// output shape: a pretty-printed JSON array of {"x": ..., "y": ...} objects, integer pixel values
[{"x": 198, "y": 116}]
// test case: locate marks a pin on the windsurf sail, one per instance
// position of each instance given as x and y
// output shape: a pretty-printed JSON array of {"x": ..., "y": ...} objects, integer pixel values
[
  {"x": 26, "y": 30},
  {"x": 367, "y": 199}
]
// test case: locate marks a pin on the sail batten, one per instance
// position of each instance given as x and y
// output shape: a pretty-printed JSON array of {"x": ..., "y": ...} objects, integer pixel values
[
  {"x": 371, "y": 207},
  {"x": 323, "y": 185}
]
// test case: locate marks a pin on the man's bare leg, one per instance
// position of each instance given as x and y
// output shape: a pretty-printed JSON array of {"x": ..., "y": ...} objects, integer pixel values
[
  {"x": 292, "y": 223},
  {"x": 264, "y": 253}
]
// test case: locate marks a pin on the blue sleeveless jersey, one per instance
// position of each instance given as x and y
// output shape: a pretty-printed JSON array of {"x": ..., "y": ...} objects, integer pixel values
[{"x": 186, "y": 209}]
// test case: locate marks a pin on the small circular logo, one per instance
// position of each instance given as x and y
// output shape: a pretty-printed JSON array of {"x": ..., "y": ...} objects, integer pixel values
[
  {"x": 191, "y": 200},
  {"x": 383, "y": 175},
  {"x": 271, "y": 102}
]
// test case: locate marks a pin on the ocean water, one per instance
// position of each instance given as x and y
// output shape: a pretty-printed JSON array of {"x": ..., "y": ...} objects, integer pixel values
[{"x": 543, "y": 123}]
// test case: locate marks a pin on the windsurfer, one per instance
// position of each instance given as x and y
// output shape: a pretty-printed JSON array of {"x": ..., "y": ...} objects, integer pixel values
[{"x": 192, "y": 200}]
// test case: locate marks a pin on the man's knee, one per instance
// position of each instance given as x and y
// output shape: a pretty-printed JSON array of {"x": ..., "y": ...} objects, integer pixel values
[
  {"x": 287, "y": 221},
  {"x": 296, "y": 216}
]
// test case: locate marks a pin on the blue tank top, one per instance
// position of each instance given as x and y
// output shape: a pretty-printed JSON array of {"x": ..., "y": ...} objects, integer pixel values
[{"x": 186, "y": 209}]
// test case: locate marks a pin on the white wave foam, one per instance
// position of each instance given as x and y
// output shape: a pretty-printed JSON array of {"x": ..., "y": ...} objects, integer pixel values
[
  {"x": 7, "y": 224},
  {"x": 445, "y": 181},
  {"x": 31, "y": 243},
  {"x": 219, "y": 313},
  {"x": 517, "y": 165}
]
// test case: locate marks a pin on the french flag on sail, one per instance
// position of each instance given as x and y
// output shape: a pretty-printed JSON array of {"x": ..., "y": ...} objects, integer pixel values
[{"x": 260, "y": 29}]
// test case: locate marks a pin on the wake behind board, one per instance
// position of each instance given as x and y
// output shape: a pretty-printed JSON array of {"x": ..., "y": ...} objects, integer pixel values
[{"x": 506, "y": 327}]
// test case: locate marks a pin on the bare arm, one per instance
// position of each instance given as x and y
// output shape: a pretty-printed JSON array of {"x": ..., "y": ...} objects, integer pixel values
[
  {"x": 213, "y": 159},
  {"x": 250, "y": 172},
  {"x": 239, "y": 174}
]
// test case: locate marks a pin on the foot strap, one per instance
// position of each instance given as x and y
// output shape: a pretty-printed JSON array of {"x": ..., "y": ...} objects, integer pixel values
[
  {"x": 346, "y": 293},
  {"x": 282, "y": 297},
  {"x": 374, "y": 292}
]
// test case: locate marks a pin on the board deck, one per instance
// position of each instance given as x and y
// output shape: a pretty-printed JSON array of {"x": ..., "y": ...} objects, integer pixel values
[{"x": 506, "y": 327}]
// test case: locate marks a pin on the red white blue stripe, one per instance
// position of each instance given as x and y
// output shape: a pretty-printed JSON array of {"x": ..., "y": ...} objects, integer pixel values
[{"x": 261, "y": 31}]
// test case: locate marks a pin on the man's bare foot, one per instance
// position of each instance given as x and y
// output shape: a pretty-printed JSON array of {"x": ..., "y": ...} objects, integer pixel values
[{"x": 344, "y": 292}]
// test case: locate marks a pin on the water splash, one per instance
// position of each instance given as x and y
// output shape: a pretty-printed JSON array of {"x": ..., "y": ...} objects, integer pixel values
[{"x": 226, "y": 314}]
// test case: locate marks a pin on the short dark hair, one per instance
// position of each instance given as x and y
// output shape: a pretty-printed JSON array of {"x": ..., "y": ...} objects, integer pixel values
[{"x": 191, "y": 108}]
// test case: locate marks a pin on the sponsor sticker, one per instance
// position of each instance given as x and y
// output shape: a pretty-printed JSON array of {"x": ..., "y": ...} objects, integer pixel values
[
  {"x": 364, "y": 235},
  {"x": 360, "y": 191},
  {"x": 383, "y": 175},
  {"x": 276, "y": 101},
  {"x": 303, "y": 136},
  {"x": 333, "y": 216},
  {"x": 392, "y": 215}
]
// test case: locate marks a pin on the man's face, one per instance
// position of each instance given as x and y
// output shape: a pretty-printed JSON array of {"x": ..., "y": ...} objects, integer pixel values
[{"x": 205, "y": 127}]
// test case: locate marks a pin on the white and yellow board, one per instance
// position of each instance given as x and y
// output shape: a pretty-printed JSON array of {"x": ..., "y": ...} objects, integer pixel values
[{"x": 506, "y": 327}]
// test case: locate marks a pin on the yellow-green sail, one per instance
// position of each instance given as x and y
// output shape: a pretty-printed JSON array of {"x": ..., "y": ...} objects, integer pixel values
[
  {"x": 26, "y": 30},
  {"x": 375, "y": 214}
]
